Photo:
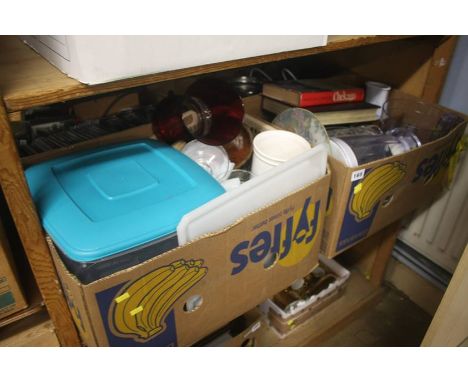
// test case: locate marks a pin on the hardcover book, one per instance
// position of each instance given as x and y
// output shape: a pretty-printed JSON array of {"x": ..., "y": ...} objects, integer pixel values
[
  {"x": 303, "y": 93},
  {"x": 330, "y": 114}
]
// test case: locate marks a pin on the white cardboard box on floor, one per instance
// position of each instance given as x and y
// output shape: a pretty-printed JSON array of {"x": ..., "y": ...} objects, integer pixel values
[{"x": 99, "y": 59}]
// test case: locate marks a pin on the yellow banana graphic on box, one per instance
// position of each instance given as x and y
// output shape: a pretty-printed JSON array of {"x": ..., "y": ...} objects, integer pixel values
[
  {"x": 139, "y": 309},
  {"x": 374, "y": 185}
]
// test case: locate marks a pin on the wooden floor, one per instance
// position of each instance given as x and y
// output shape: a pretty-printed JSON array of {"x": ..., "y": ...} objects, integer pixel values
[
  {"x": 36, "y": 330},
  {"x": 393, "y": 321},
  {"x": 374, "y": 317}
]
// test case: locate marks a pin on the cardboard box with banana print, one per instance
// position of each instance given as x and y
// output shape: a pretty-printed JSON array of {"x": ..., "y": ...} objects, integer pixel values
[
  {"x": 181, "y": 296},
  {"x": 365, "y": 199}
]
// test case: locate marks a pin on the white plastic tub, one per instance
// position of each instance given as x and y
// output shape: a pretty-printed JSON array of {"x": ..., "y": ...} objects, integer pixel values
[{"x": 271, "y": 148}]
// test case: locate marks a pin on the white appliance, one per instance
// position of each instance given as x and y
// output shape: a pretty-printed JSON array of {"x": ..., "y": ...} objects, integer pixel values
[{"x": 99, "y": 59}]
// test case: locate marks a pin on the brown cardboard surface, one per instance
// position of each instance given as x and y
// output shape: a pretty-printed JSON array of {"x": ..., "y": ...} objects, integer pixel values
[
  {"x": 11, "y": 295},
  {"x": 248, "y": 337},
  {"x": 254, "y": 323},
  {"x": 75, "y": 299},
  {"x": 425, "y": 173},
  {"x": 226, "y": 269}
]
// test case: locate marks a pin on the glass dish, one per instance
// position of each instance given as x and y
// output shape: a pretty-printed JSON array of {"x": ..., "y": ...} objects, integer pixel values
[
  {"x": 214, "y": 159},
  {"x": 304, "y": 123}
]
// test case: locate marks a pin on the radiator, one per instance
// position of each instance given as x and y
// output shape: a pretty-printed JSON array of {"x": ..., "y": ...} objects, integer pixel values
[{"x": 440, "y": 232}]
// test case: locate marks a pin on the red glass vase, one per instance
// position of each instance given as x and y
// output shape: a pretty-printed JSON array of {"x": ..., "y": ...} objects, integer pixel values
[{"x": 210, "y": 111}]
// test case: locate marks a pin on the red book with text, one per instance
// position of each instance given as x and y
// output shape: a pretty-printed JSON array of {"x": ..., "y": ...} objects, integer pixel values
[{"x": 303, "y": 93}]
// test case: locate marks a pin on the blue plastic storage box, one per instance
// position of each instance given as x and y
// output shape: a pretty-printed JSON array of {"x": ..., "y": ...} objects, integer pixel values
[{"x": 111, "y": 208}]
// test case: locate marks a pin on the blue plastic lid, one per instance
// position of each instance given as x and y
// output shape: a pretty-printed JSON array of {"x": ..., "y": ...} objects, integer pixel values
[{"x": 101, "y": 202}]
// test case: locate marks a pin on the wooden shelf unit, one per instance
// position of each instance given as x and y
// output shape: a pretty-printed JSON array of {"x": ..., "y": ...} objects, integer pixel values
[{"x": 27, "y": 80}]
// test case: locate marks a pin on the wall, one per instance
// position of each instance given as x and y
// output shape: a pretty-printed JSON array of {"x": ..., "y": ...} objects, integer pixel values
[
  {"x": 455, "y": 96},
  {"x": 455, "y": 91}
]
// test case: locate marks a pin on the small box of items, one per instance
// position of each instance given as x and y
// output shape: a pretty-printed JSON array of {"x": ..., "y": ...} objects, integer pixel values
[
  {"x": 306, "y": 296},
  {"x": 11, "y": 296},
  {"x": 155, "y": 246}
]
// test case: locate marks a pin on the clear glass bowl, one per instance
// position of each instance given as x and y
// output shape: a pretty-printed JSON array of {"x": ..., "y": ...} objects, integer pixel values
[{"x": 214, "y": 159}]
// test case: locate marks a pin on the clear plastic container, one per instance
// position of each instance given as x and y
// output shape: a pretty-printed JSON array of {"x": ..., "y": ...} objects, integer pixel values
[
  {"x": 407, "y": 140},
  {"x": 427, "y": 121},
  {"x": 360, "y": 149}
]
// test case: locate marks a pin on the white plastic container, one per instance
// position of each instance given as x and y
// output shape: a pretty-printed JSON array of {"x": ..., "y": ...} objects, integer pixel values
[
  {"x": 341, "y": 151},
  {"x": 271, "y": 148},
  {"x": 377, "y": 94}
]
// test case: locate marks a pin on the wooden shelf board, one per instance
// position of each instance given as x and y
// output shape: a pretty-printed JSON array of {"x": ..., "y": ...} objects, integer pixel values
[
  {"x": 341, "y": 38},
  {"x": 139, "y": 132},
  {"x": 37, "y": 330},
  {"x": 358, "y": 295},
  {"x": 28, "y": 80},
  {"x": 27, "y": 312}
]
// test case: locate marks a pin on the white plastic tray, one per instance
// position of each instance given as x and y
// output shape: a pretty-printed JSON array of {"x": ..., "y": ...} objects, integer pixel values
[
  {"x": 254, "y": 194},
  {"x": 343, "y": 275}
]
